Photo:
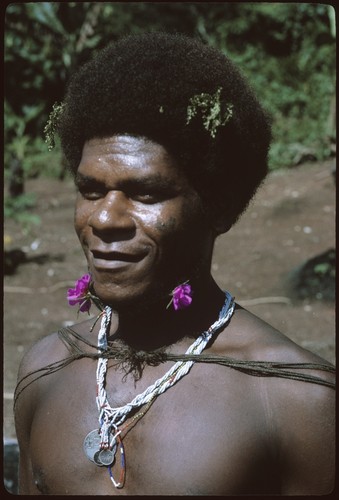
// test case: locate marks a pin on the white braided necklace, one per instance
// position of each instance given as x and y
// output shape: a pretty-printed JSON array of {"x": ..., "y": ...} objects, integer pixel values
[{"x": 100, "y": 445}]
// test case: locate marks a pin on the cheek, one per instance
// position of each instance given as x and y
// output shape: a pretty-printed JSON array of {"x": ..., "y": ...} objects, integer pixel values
[
  {"x": 183, "y": 230},
  {"x": 80, "y": 218},
  {"x": 152, "y": 217},
  {"x": 163, "y": 220},
  {"x": 169, "y": 226}
]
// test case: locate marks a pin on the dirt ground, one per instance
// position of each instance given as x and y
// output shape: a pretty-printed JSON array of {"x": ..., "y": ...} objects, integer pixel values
[{"x": 290, "y": 221}]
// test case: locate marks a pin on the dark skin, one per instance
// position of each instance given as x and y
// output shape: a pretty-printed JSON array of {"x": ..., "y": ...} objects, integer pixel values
[{"x": 218, "y": 431}]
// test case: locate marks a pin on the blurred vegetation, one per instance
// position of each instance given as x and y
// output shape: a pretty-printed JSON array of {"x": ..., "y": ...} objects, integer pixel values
[{"x": 287, "y": 51}]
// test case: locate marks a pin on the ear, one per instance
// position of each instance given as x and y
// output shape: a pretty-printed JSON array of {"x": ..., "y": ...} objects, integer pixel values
[
  {"x": 220, "y": 220},
  {"x": 220, "y": 217},
  {"x": 221, "y": 224}
]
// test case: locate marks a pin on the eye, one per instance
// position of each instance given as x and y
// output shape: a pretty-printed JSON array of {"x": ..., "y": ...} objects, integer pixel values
[
  {"x": 151, "y": 195},
  {"x": 146, "y": 197},
  {"x": 90, "y": 194}
]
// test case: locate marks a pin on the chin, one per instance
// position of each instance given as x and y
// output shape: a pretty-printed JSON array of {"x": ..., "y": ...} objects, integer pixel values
[{"x": 136, "y": 298}]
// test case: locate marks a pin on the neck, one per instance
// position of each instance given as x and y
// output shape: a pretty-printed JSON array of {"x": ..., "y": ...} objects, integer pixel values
[{"x": 155, "y": 326}]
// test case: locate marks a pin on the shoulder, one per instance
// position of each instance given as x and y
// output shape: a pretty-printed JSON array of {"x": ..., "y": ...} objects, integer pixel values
[
  {"x": 297, "y": 383},
  {"x": 36, "y": 362},
  {"x": 42, "y": 358},
  {"x": 299, "y": 414},
  {"x": 249, "y": 337},
  {"x": 45, "y": 357},
  {"x": 44, "y": 352},
  {"x": 49, "y": 350}
]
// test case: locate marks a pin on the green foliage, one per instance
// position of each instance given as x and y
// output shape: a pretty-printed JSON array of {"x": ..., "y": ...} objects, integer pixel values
[
  {"x": 30, "y": 151},
  {"x": 287, "y": 51},
  {"x": 18, "y": 209},
  {"x": 51, "y": 126},
  {"x": 211, "y": 111},
  {"x": 316, "y": 278},
  {"x": 324, "y": 268}
]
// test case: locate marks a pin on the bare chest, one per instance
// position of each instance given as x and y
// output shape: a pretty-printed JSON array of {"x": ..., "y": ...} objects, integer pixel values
[{"x": 200, "y": 437}]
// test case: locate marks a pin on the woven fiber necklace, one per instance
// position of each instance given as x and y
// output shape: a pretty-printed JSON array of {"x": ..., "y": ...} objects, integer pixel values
[{"x": 102, "y": 444}]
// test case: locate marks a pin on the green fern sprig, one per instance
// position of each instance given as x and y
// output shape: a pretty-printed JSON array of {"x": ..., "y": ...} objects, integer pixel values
[
  {"x": 52, "y": 124},
  {"x": 210, "y": 107}
]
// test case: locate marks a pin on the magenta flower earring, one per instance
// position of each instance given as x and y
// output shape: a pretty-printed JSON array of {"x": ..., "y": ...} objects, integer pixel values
[
  {"x": 181, "y": 296},
  {"x": 82, "y": 295}
]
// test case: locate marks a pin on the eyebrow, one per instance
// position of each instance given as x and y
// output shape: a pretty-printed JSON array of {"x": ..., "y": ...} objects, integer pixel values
[
  {"x": 81, "y": 179},
  {"x": 151, "y": 181}
]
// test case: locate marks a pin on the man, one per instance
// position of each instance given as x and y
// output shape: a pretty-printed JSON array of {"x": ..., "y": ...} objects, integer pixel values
[{"x": 167, "y": 144}]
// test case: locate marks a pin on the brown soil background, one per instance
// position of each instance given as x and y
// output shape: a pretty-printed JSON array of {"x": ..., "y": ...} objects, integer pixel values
[{"x": 290, "y": 221}]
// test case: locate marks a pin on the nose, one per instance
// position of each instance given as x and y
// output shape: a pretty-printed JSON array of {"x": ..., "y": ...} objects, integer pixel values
[{"x": 112, "y": 213}]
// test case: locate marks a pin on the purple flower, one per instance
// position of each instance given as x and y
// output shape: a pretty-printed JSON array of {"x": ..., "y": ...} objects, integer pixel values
[
  {"x": 182, "y": 296},
  {"x": 80, "y": 294}
]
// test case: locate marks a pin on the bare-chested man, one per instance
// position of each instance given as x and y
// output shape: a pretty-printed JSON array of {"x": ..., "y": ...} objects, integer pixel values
[{"x": 167, "y": 144}]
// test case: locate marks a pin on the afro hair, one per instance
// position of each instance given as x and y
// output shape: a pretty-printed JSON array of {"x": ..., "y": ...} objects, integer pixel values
[{"x": 160, "y": 86}]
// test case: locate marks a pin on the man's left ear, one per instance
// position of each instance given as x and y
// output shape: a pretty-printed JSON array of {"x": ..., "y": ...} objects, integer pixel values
[
  {"x": 221, "y": 224},
  {"x": 219, "y": 217}
]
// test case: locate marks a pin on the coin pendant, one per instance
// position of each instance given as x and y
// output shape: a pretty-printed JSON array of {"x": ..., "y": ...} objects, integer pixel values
[
  {"x": 106, "y": 457},
  {"x": 96, "y": 459},
  {"x": 92, "y": 444}
]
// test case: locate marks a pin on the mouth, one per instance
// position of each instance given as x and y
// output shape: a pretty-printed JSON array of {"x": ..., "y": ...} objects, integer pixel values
[{"x": 114, "y": 260}]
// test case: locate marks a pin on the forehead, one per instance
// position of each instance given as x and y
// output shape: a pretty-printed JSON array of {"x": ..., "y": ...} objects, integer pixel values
[{"x": 127, "y": 155}]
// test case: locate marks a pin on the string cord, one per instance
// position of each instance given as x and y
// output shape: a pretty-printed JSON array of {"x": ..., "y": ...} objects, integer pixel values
[{"x": 249, "y": 367}]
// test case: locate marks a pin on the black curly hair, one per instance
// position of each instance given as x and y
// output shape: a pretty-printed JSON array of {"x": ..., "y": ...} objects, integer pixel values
[{"x": 154, "y": 85}]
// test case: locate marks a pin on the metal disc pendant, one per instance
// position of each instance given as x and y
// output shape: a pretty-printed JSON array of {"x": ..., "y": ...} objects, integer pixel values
[
  {"x": 106, "y": 457},
  {"x": 96, "y": 459},
  {"x": 92, "y": 444}
]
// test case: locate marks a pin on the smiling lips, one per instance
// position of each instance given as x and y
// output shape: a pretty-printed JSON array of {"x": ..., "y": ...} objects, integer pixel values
[{"x": 113, "y": 260}]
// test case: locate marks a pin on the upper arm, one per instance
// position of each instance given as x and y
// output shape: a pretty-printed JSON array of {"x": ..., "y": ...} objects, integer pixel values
[
  {"x": 306, "y": 436},
  {"x": 24, "y": 408},
  {"x": 299, "y": 416},
  {"x": 26, "y": 400}
]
